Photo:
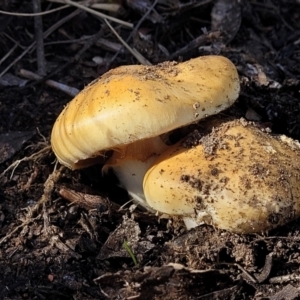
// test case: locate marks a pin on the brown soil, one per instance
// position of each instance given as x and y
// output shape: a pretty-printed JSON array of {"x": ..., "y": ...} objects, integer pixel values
[{"x": 98, "y": 246}]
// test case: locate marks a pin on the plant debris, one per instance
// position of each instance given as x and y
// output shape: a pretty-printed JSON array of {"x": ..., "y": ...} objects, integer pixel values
[{"x": 53, "y": 248}]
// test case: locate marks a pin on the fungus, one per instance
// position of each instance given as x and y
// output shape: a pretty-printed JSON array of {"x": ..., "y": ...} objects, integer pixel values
[
  {"x": 128, "y": 108},
  {"x": 239, "y": 178}
]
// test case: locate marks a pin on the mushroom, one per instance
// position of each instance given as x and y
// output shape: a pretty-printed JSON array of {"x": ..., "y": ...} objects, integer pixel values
[
  {"x": 130, "y": 107},
  {"x": 239, "y": 178}
]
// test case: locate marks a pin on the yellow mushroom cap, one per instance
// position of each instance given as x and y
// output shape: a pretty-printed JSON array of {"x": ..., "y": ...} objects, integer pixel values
[
  {"x": 238, "y": 178},
  {"x": 132, "y": 103}
]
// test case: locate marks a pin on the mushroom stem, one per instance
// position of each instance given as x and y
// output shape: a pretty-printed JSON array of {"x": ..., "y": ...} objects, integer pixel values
[{"x": 130, "y": 164}]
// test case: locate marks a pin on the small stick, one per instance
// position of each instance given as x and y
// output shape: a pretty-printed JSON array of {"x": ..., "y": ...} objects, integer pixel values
[
  {"x": 33, "y": 14},
  {"x": 113, "y": 7},
  {"x": 84, "y": 200},
  {"x": 140, "y": 58},
  {"x": 99, "y": 14},
  {"x": 197, "y": 42},
  {"x": 8, "y": 53},
  {"x": 38, "y": 28},
  {"x": 57, "y": 85},
  {"x": 133, "y": 31},
  {"x": 284, "y": 278},
  {"x": 89, "y": 43}
]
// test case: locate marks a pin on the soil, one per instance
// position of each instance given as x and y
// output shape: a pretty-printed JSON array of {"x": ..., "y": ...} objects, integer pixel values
[{"x": 75, "y": 234}]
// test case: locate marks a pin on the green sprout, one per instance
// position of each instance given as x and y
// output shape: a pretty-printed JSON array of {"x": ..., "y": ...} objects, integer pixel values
[{"x": 129, "y": 251}]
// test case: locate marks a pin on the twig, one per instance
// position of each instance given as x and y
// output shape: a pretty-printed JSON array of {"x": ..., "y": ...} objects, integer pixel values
[
  {"x": 85, "y": 200},
  {"x": 72, "y": 41},
  {"x": 245, "y": 273},
  {"x": 38, "y": 28},
  {"x": 33, "y": 14},
  {"x": 57, "y": 85},
  {"x": 14, "y": 40},
  {"x": 113, "y": 7},
  {"x": 8, "y": 53},
  {"x": 108, "y": 45},
  {"x": 134, "y": 30},
  {"x": 57, "y": 242},
  {"x": 197, "y": 42},
  {"x": 141, "y": 59},
  {"x": 46, "y": 33},
  {"x": 99, "y": 14},
  {"x": 89, "y": 43},
  {"x": 284, "y": 278}
]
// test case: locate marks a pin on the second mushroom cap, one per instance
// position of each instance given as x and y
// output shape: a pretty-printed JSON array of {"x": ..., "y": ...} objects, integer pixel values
[{"x": 238, "y": 178}]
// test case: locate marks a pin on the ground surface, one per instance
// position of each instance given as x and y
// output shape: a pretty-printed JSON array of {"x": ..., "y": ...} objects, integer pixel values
[{"x": 96, "y": 249}]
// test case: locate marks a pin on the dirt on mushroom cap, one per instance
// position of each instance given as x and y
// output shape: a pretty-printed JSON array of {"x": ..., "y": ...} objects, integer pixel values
[
  {"x": 238, "y": 178},
  {"x": 132, "y": 103}
]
